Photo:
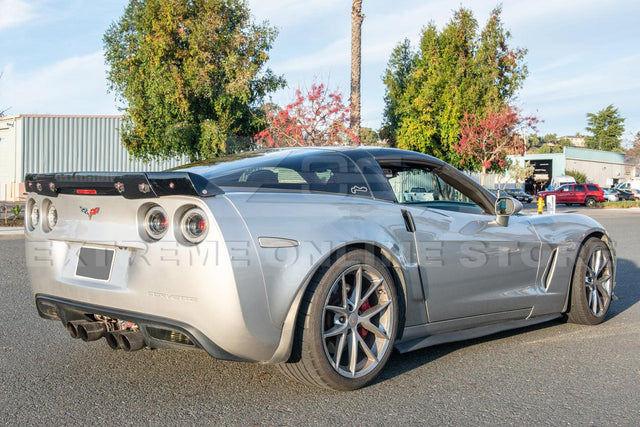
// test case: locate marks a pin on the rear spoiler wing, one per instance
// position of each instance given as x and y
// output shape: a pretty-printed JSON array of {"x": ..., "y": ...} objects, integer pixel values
[{"x": 129, "y": 185}]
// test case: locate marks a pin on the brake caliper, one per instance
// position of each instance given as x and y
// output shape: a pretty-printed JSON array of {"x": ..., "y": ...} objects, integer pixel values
[{"x": 363, "y": 308}]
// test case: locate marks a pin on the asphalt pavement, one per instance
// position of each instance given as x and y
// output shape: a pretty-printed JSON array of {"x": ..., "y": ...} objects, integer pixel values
[{"x": 555, "y": 373}]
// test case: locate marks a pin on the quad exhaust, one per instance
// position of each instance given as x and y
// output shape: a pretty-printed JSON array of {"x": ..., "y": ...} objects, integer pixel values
[
  {"x": 86, "y": 330},
  {"x": 125, "y": 340}
]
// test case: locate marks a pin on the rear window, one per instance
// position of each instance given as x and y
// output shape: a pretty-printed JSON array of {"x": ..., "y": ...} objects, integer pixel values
[
  {"x": 593, "y": 188},
  {"x": 326, "y": 172}
]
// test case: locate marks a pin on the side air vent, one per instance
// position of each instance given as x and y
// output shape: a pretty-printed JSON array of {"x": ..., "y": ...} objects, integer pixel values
[{"x": 550, "y": 270}]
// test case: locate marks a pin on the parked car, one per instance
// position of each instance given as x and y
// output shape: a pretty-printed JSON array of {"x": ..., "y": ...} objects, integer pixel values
[
  {"x": 581, "y": 194},
  {"x": 307, "y": 258},
  {"x": 623, "y": 194},
  {"x": 610, "y": 195},
  {"x": 520, "y": 196}
]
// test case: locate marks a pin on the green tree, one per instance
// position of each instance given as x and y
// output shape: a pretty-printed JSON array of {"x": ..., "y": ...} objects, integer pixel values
[
  {"x": 399, "y": 68},
  {"x": 191, "y": 74},
  {"x": 520, "y": 173},
  {"x": 606, "y": 128},
  {"x": 368, "y": 136},
  {"x": 459, "y": 70},
  {"x": 633, "y": 153},
  {"x": 580, "y": 177}
]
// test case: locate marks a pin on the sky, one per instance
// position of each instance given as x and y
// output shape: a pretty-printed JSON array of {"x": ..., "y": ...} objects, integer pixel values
[{"x": 582, "y": 54}]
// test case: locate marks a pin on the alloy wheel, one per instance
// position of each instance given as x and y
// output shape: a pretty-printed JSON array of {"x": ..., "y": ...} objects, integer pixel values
[
  {"x": 598, "y": 282},
  {"x": 357, "y": 321}
]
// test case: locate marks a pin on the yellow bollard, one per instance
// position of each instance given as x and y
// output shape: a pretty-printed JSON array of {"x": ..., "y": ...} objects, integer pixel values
[{"x": 540, "y": 205}]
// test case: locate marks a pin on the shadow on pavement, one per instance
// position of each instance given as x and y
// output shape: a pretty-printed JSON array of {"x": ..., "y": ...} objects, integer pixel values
[{"x": 627, "y": 291}]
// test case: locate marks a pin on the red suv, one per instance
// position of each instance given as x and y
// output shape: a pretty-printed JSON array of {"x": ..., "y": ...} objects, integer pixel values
[{"x": 583, "y": 194}]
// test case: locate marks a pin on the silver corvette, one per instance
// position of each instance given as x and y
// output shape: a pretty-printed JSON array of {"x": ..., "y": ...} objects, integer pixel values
[{"x": 321, "y": 261}]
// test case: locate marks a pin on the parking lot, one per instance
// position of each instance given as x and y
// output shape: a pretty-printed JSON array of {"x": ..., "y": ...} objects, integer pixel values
[{"x": 554, "y": 373}]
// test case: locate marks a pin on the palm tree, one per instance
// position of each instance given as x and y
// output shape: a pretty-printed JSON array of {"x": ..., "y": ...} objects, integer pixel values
[{"x": 356, "y": 59}]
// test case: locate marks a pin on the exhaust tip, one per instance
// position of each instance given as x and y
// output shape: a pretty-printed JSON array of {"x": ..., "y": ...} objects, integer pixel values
[
  {"x": 112, "y": 340},
  {"x": 71, "y": 328},
  {"x": 131, "y": 341},
  {"x": 91, "y": 331},
  {"x": 74, "y": 327}
]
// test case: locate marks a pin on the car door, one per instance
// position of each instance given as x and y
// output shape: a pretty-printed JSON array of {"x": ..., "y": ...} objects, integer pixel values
[
  {"x": 563, "y": 195},
  {"x": 469, "y": 265},
  {"x": 579, "y": 193}
]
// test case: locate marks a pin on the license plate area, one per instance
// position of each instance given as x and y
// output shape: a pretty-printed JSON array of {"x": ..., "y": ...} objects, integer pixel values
[{"x": 95, "y": 263}]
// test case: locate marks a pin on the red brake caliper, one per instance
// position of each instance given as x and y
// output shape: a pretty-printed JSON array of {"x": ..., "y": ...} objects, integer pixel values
[{"x": 364, "y": 307}]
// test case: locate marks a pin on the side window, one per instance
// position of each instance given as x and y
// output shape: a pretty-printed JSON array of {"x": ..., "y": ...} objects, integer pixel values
[
  {"x": 419, "y": 186},
  {"x": 592, "y": 188},
  {"x": 579, "y": 188},
  {"x": 566, "y": 188}
]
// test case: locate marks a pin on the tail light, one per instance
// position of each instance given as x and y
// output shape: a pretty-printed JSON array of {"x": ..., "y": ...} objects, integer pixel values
[
  {"x": 34, "y": 216},
  {"x": 155, "y": 223},
  {"x": 50, "y": 215},
  {"x": 194, "y": 225}
]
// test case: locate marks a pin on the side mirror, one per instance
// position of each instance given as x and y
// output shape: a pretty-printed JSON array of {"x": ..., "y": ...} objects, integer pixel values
[{"x": 505, "y": 207}]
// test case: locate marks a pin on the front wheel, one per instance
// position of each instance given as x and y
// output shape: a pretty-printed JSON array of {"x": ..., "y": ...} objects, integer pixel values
[
  {"x": 347, "y": 324},
  {"x": 590, "y": 202},
  {"x": 592, "y": 285}
]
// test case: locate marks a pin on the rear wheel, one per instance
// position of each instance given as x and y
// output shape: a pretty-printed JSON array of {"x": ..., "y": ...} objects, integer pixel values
[
  {"x": 347, "y": 325},
  {"x": 592, "y": 285},
  {"x": 590, "y": 202}
]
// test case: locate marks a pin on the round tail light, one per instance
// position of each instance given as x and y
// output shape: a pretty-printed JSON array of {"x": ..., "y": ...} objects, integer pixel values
[
  {"x": 35, "y": 215},
  {"x": 156, "y": 223},
  {"x": 194, "y": 225},
  {"x": 52, "y": 216}
]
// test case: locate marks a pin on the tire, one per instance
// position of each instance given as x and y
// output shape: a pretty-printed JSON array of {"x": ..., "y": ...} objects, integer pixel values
[
  {"x": 590, "y": 202},
  {"x": 592, "y": 283},
  {"x": 336, "y": 318}
]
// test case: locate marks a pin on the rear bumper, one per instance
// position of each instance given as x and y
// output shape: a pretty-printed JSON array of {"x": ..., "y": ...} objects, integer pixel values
[
  {"x": 193, "y": 290},
  {"x": 157, "y": 331}
]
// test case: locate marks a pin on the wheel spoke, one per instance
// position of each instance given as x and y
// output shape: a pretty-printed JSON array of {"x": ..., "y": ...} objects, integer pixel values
[
  {"x": 375, "y": 310},
  {"x": 357, "y": 289},
  {"x": 352, "y": 346},
  {"x": 595, "y": 261},
  {"x": 367, "y": 351},
  {"x": 336, "y": 309},
  {"x": 380, "y": 333},
  {"x": 602, "y": 266},
  {"x": 594, "y": 301},
  {"x": 372, "y": 289},
  {"x": 340, "y": 349},
  {"x": 604, "y": 290},
  {"x": 336, "y": 330},
  {"x": 600, "y": 302},
  {"x": 345, "y": 298}
]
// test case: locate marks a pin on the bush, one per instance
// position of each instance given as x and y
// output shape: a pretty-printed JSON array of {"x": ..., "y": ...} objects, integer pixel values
[{"x": 578, "y": 176}]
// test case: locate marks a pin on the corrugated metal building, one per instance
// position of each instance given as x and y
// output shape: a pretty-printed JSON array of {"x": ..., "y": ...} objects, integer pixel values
[
  {"x": 601, "y": 167},
  {"x": 51, "y": 143}
]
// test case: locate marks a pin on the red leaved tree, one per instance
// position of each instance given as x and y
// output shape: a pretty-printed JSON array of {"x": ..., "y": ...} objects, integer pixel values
[
  {"x": 318, "y": 117},
  {"x": 485, "y": 141}
]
